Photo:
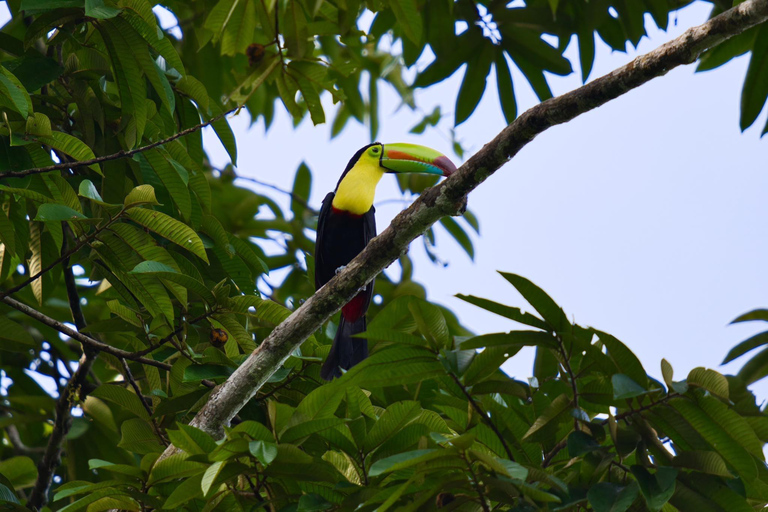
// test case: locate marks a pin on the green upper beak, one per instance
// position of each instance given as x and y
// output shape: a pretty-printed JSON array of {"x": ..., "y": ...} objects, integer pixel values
[{"x": 402, "y": 157}]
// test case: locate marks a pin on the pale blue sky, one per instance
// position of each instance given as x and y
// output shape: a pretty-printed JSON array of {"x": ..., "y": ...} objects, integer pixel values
[{"x": 644, "y": 218}]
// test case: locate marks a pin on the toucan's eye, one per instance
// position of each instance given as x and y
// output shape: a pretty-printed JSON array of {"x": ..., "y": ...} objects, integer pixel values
[{"x": 375, "y": 150}]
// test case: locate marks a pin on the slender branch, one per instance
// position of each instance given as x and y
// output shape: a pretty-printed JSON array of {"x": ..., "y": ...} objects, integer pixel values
[
  {"x": 627, "y": 414},
  {"x": 178, "y": 330},
  {"x": 78, "y": 336},
  {"x": 554, "y": 451},
  {"x": 129, "y": 376},
  {"x": 448, "y": 197},
  {"x": 119, "y": 154},
  {"x": 18, "y": 445},
  {"x": 571, "y": 377},
  {"x": 283, "y": 384},
  {"x": 476, "y": 484},
  {"x": 51, "y": 459},
  {"x": 63, "y": 420},
  {"x": 486, "y": 419}
]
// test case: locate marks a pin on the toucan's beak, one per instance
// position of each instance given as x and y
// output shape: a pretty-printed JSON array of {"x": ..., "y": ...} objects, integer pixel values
[{"x": 401, "y": 157}]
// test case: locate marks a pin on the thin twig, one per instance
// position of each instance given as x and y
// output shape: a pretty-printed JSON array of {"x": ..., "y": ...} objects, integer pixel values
[
  {"x": 476, "y": 484},
  {"x": 554, "y": 451},
  {"x": 486, "y": 419},
  {"x": 178, "y": 330},
  {"x": 119, "y": 154},
  {"x": 82, "y": 338},
  {"x": 129, "y": 376},
  {"x": 644, "y": 408}
]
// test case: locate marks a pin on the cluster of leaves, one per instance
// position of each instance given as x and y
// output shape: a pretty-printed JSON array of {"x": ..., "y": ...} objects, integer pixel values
[{"x": 429, "y": 422}]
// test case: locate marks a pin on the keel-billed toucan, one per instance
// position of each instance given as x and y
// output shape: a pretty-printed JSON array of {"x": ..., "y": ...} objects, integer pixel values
[{"x": 346, "y": 225}]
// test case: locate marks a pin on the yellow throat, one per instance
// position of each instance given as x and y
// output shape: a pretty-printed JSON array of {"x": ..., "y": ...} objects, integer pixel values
[{"x": 356, "y": 190}]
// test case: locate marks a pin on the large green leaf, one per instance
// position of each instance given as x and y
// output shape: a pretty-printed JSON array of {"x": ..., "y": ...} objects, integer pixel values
[
  {"x": 169, "y": 228},
  {"x": 755, "y": 90}
]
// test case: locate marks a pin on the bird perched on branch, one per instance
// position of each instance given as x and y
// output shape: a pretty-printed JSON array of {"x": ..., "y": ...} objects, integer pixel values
[{"x": 346, "y": 225}]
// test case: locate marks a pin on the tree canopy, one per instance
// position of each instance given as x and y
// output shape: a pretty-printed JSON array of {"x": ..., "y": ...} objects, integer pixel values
[{"x": 131, "y": 279}]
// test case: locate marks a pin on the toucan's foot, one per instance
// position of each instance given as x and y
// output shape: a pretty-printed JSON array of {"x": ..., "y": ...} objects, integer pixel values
[{"x": 340, "y": 268}]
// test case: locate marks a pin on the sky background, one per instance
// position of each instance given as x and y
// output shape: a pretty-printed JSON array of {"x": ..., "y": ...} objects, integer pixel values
[{"x": 644, "y": 218}]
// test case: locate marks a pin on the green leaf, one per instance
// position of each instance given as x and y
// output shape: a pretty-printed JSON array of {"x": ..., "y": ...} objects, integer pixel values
[
  {"x": 461, "y": 236},
  {"x": 198, "y": 372},
  {"x": 758, "y": 340},
  {"x": 408, "y": 18},
  {"x": 71, "y": 146},
  {"x": 11, "y": 88},
  {"x": 625, "y": 387},
  {"x": 756, "y": 314},
  {"x": 143, "y": 194},
  {"x": 408, "y": 459},
  {"x": 298, "y": 432},
  {"x": 167, "y": 273},
  {"x": 169, "y": 228},
  {"x": 755, "y": 90},
  {"x": 720, "y": 439},
  {"x": 224, "y": 133},
  {"x": 210, "y": 475},
  {"x": 550, "y": 416},
  {"x": 188, "y": 489},
  {"x": 656, "y": 488},
  {"x": 393, "y": 420},
  {"x": 21, "y": 472},
  {"x": 513, "y": 338},
  {"x": 580, "y": 443},
  {"x": 138, "y": 436},
  {"x": 510, "y": 312},
  {"x": 97, "y": 9},
  {"x": 171, "y": 177},
  {"x": 173, "y": 467},
  {"x": 624, "y": 359},
  {"x": 8, "y": 496},
  {"x": 608, "y": 497},
  {"x": 264, "y": 451},
  {"x": 38, "y": 124},
  {"x": 710, "y": 380},
  {"x": 474, "y": 82},
  {"x": 542, "y": 302},
  {"x": 128, "y": 76},
  {"x": 50, "y": 212},
  {"x": 295, "y": 30},
  {"x": 702, "y": 461},
  {"x": 122, "y": 397},
  {"x": 190, "y": 439},
  {"x": 505, "y": 88},
  {"x": 15, "y": 333}
]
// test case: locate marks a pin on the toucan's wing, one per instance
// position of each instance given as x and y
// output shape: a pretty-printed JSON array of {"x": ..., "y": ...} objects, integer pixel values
[
  {"x": 369, "y": 229},
  {"x": 369, "y": 224},
  {"x": 319, "y": 263}
]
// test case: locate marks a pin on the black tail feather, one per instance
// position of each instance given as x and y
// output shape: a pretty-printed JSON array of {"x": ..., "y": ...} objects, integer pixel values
[{"x": 346, "y": 351}]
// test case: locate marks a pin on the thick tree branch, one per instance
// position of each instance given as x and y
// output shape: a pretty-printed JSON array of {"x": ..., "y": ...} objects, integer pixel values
[
  {"x": 119, "y": 154},
  {"x": 448, "y": 197}
]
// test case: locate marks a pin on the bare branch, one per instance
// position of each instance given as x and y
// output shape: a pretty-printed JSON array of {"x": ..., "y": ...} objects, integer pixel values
[
  {"x": 119, "y": 154},
  {"x": 448, "y": 197}
]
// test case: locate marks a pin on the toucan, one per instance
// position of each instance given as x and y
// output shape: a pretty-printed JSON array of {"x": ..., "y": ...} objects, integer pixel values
[{"x": 347, "y": 223}]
